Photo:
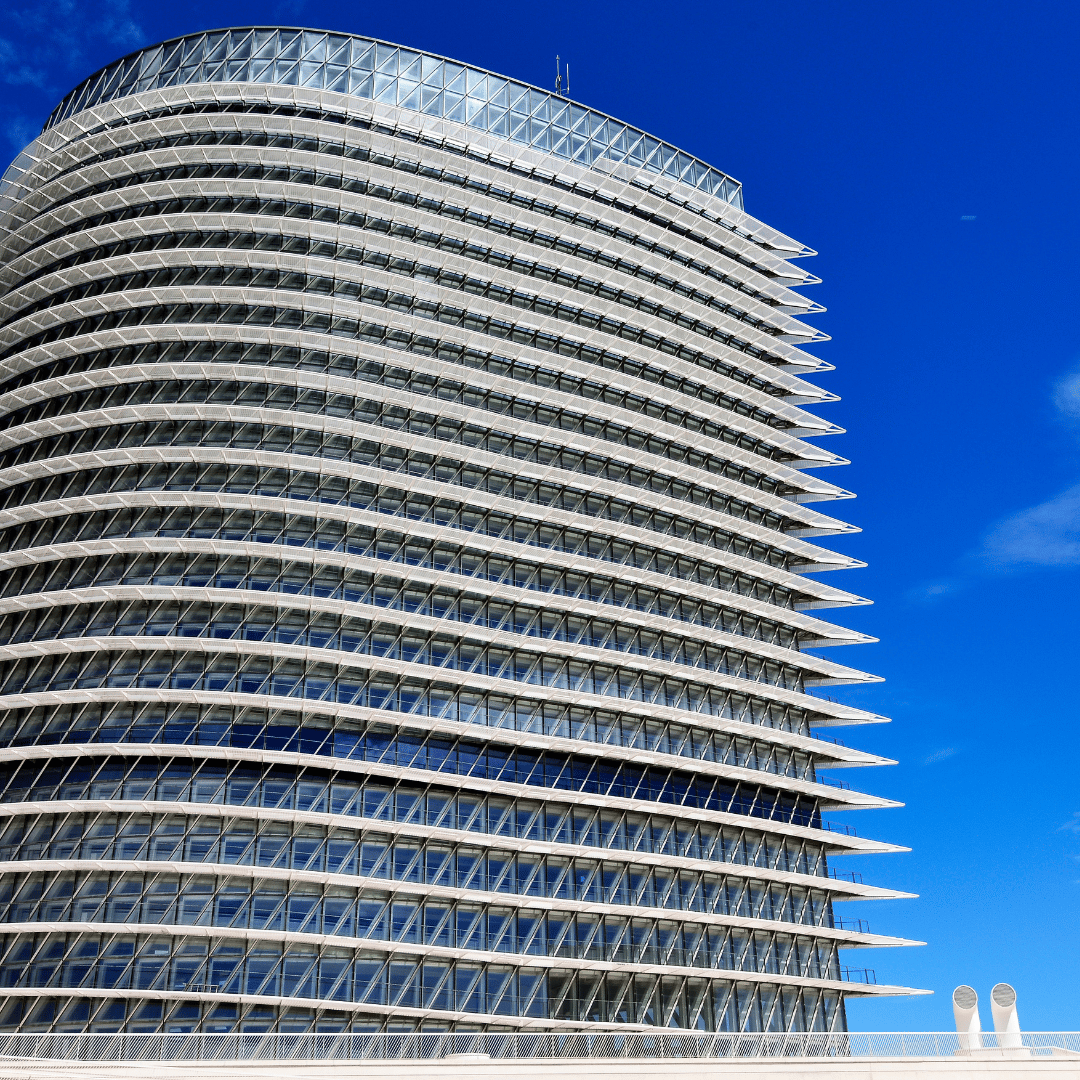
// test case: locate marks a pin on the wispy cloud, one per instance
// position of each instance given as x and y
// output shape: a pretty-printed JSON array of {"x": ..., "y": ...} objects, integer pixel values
[
  {"x": 1044, "y": 535},
  {"x": 46, "y": 44},
  {"x": 1041, "y": 536},
  {"x": 1067, "y": 397},
  {"x": 940, "y": 755},
  {"x": 20, "y": 68},
  {"x": 18, "y": 131},
  {"x": 1073, "y": 824},
  {"x": 1047, "y": 534},
  {"x": 936, "y": 590},
  {"x": 50, "y": 47}
]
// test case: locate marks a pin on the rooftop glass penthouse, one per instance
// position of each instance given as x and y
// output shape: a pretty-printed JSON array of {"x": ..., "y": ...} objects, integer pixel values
[{"x": 404, "y": 530}]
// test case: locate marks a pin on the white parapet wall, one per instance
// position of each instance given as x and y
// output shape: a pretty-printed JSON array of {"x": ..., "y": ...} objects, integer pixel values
[
  {"x": 984, "y": 1065},
  {"x": 540, "y": 1056}
]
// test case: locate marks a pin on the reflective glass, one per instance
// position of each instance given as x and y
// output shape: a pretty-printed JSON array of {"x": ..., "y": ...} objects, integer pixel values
[
  {"x": 336, "y": 910},
  {"x": 328, "y": 973},
  {"x": 378, "y": 798},
  {"x": 442, "y": 510},
  {"x": 415, "y": 81},
  {"x": 446, "y": 556},
  {"x": 372, "y": 854}
]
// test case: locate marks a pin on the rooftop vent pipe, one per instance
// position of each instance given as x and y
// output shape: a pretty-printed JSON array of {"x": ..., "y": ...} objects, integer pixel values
[
  {"x": 1006, "y": 1023},
  {"x": 965, "y": 1007}
]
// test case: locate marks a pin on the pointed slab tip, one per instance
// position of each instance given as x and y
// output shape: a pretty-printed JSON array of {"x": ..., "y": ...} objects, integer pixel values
[
  {"x": 852, "y": 721},
  {"x": 878, "y": 941},
  {"x": 856, "y": 763},
  {"x": 856, "y": 801}
]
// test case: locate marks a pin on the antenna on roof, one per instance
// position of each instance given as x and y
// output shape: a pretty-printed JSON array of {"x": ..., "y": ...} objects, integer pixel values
[{"x": 562, "y": 88}]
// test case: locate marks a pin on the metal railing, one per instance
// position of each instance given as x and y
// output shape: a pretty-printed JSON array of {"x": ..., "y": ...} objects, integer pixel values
[
  {"x": 846, "y": 875},
  {"x": 863, "y": 975},
  {"x": 832, "y": 781},
  {"x": 858, "y": 926},
  {"x": 420, "y": 1046},
  {"x": 836, "y": 827},
  {"x": 828, "y": 738}
]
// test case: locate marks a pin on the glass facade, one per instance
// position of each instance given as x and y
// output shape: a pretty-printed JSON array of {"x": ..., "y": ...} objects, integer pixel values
[
  {"x": 413, "y": 81},
  {"x": 405, "y": 530}
]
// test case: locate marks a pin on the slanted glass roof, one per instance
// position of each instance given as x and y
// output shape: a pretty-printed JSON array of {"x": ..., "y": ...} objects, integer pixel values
[{"x": 388, "y": 73}]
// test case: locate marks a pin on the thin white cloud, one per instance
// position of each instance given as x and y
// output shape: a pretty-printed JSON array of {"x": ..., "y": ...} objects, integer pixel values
[
  {"x": 1047, "y": 534},
  {"x": 940, "y": 755},
  {"x": 19, "y": 131},
  {"x": 61, "y": 40},
  {"x": 935, "y": 590},
  {"x": 1044, "y": 535},
  {"x": 18, "y": 70},
  {"x": 1066, "y": 397}
]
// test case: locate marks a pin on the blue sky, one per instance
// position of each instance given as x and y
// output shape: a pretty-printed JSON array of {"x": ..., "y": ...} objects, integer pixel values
[{"x": 928, "y": 150}]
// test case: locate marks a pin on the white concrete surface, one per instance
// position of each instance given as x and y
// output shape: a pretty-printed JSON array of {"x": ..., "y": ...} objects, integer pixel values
[{"x": 984, "y": 1066}]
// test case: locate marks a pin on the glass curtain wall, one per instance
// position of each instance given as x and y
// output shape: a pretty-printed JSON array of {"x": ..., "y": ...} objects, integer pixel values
[{"x": 407, "y": 500}]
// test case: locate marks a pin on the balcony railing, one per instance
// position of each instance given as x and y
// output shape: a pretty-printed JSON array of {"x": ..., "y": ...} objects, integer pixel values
[
  {"x": 859, "y": 975},
  {"x": 835, "y": 826},
  {"x": 420, "y": 1046},
  {"x": 858, "y": 926},
  {"x": 832, "y": 781},
  {"x": 846, "y": 875}
]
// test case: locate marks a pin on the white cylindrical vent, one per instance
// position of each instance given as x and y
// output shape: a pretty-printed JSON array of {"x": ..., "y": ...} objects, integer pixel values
[
  {"x": 965, "y": 1007},
  {"x": 1006, "y": 1022}
]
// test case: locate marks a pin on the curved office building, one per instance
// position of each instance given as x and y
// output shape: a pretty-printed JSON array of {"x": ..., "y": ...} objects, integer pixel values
[{"x": 404, "y": 530}]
